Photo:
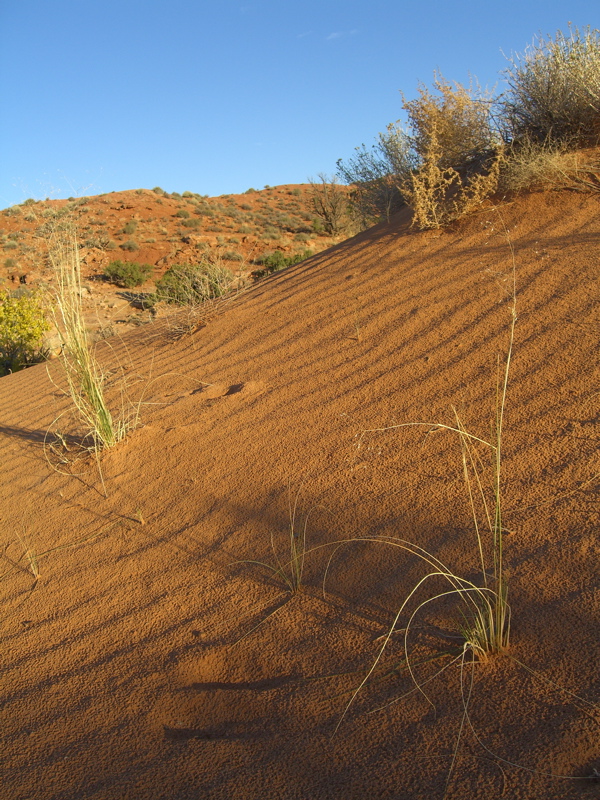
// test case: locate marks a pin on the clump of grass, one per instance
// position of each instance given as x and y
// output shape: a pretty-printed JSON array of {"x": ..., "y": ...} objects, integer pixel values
[
  {"x": 550, "y": 165},
  {"x": 84, "y": 375},
  {"x": 290, "y": 569},
  {"x": 485, "y": 611}
]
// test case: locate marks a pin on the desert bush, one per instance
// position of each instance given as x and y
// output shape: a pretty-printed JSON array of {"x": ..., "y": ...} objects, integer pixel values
[
  {"x": 187, "y": 194},
  {"x": 10, "y": 263},
  {"x": 554, "y": 90},
  {"x": 458, "y": 118},
  {"x": 457, "y": 153},
  {"x": 11, "y": 245},
  {"x": 183, "y": 213},
  {"x": 376, "y": 173},
  {"x": 438, "y": 195},
  {"x": 190, "y": 284},
  {"x": 158, "y": 190},
  {"x": 130, "y": 227},
  {"x": 22, "y": 327},
  {"x": 127, "y": 273},
  {"x": 191, "y": 223}
]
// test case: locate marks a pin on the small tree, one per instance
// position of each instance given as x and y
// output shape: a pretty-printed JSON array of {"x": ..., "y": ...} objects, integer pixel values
[{"x": 330, "y": 203}]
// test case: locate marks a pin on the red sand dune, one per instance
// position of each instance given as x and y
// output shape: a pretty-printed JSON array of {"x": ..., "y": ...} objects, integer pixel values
[{"x": 124, "y": 670}]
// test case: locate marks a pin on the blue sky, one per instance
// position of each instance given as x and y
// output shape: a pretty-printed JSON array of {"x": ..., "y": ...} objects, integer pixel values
[{"x": 216, "y": 96}]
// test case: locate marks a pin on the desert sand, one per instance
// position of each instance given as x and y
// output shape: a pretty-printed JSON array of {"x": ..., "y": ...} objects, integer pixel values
[{"x": 144, "y": 655}]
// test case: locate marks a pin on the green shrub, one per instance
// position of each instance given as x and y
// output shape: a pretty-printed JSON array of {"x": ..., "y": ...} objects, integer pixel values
[
  {"x": 554, "y": 90},
  {"x": 190, "y": 284},
  {"x": 22, "y": 327},
  {"x": 191, "y": 223},
  {"x": 10, "y": 263},
  {"x": 183, "y": 213},
  {"x": 130, "y": 227},
  {"x": 273, "y": 262},
  {"x": 127, "y": 273},
  {"x": 158, "y": 190},
  {"x": 187, "y": 194},
  {"x": 131, "y": 246},
  {"x": 232, "y": 255}
]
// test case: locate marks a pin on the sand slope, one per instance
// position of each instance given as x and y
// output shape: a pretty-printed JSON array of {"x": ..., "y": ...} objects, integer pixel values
[{"x": 124, "y": 674}]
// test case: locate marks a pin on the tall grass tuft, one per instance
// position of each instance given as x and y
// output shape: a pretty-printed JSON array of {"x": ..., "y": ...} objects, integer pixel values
[{"x": 84, "y": 375}]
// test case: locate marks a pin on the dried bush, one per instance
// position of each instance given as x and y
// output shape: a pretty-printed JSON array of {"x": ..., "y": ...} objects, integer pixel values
[
  {"x": 460, "y": 121},
  {"x": 439, "y": 194},
  {"x": 457, "y": 151}
]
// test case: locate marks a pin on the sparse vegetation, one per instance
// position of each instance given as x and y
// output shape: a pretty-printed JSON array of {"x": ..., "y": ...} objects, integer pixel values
[
  {"x": 460, "y": 144},
  {"x": 130, "y": 246},
  {"x": 273, "y": 262}
]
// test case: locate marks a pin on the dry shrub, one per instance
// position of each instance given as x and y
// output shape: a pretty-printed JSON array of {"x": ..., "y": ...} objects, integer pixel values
[
  {"x": 457, "y": 118},
  {"x": 439, "y": 195},
  {"x": 458, "y": 156}
]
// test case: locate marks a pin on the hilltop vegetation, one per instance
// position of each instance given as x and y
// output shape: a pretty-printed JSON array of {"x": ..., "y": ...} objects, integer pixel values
[
  {"x": 160, "y": 229},
  {"x": 461, "y": 145}
]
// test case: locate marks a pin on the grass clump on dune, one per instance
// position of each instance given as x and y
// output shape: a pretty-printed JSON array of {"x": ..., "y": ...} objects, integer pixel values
[{"x": 84, "y": 375}]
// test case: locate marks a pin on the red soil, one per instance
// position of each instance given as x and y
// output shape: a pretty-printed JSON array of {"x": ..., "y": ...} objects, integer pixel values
[{"x": 152, "y": 660}]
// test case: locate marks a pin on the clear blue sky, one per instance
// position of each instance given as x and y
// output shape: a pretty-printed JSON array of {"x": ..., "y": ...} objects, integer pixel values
[{"x": 215, "y": 96}]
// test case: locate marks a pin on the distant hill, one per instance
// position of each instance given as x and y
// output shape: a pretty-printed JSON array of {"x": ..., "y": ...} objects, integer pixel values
[{"x": 160, "y": 229}]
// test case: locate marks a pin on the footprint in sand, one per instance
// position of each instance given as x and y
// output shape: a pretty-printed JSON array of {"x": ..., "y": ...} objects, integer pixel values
[{"x": 215, "y": 390}]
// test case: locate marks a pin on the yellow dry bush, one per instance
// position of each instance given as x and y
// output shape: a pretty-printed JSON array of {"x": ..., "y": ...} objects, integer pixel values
[
  {"x": 457, "y": 118},
  {"x": 459, "y": 158},
  {"x": 439, "y": 194}
]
